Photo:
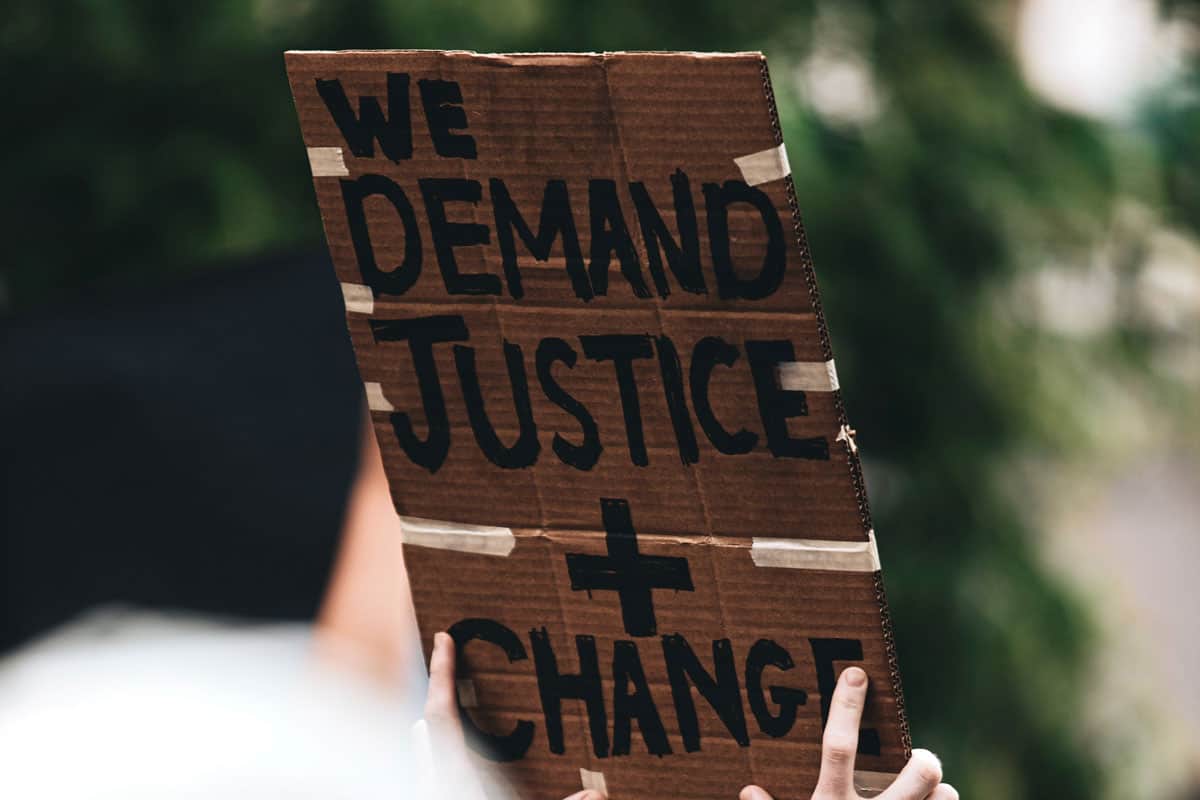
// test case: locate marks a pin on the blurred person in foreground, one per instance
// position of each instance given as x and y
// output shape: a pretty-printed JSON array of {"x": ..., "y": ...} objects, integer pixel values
[{"x": 140, "y": 705}]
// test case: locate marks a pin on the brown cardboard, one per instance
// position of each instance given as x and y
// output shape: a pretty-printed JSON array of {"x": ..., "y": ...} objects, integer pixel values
[{"x": 767, "y": 541}]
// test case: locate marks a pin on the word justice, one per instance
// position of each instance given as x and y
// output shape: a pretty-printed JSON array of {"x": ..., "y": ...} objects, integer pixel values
[{"x": 776, "y": 405}]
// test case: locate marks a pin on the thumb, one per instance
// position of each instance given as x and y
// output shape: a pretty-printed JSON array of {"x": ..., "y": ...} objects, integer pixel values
[{"x": 441, "y": 703}]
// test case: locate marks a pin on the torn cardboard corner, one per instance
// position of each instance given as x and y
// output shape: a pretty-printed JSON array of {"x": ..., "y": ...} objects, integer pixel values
[{"x": 599, "y": 374}]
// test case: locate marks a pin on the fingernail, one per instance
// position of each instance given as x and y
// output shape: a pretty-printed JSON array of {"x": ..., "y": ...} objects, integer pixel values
[
  {"x": 855, "y": 677},
  {"x": 440, "y": 639},
  {"x": 754, "y": 793}
]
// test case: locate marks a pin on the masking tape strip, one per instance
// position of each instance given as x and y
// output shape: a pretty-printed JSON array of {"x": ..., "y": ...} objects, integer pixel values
[
  {"x": 480, "y": 539},
  {"x": 359, "y": 299},
  {"x": 327, "y": 162},
  {"x": 466, "y": 693},
  {"x": 375, "y": 399},
  {"x": 807, "y": 376},
  {"x": 764, "y": 166},
  {"x": 869, "y": 784},
  {"x": 816, "y": 554},
  {"x": 593, "y": 780}
]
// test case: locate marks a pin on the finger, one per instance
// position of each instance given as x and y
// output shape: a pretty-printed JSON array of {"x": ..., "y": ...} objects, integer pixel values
[
  {"x": 840, "y": 741},
  {"x": 753, "y": 792},
  {"x": 441, "y": 705},
  {"x": 586, "y": 794},
  {"x": 920, "y": 776},
  {"x": 944, "y": 791}
]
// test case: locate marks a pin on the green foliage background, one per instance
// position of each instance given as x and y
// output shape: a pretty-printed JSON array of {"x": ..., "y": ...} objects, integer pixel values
[{"x": 143, "y": 137}]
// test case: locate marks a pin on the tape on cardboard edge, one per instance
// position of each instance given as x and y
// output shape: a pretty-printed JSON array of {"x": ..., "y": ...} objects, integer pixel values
[
  {"x": 327, "y": 162},
  {"x": 358, "y": 298},
  {"x": 467, "y": 698},
  {"x": 593, "y": 780},
  {"x": 479, "y": 539},
  {"x": 808, "y": 376},
  {"x": 816, "y": 554},
  {"x": 764, "y": 166},
  {"x": 870, "y": 784},
  {"x": 376, "y": 400}
]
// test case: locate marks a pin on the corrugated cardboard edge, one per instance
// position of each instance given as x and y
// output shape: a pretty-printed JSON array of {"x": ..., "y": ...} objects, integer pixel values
[
  {"x": 855, "y": 465},
  {"x": 519, "y": 57}
]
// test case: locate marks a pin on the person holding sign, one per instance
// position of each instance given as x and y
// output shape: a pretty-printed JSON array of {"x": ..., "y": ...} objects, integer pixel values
[{"x": 596, "y": 364}]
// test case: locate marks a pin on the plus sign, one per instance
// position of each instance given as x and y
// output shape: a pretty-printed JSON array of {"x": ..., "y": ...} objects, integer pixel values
[{"x": 624, "y": 570}]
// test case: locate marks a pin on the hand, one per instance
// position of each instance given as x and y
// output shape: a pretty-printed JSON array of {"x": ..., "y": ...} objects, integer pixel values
[
  {"x": 441, "y": 704},
  {"x": 366, "y": 623},
  {"x": 919, "y": 780}
]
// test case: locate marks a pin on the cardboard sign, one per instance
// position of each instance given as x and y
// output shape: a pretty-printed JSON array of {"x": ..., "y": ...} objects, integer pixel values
[{"x": 586, "y": 317}]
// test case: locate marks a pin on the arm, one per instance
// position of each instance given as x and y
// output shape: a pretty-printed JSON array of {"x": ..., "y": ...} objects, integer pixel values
[{"x": 366, "y": 621}]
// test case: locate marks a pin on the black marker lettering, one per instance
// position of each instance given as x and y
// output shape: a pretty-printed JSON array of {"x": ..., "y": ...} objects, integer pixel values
[
  {"x": 554, "y": 688},
  {"x": 627, "y": 668},
  {"x": 556, "y": 219},
  {"x": 762, "y": 654},
  {"x": 626, "y": 571},
  {"x": 622, "y": 349},
  {"x": 681, "y": 421},
  {"x": 708, "y": 352},
  {"x": 400, "y": 278},
  {"x": 683, "y": 258},
  {"x": 422, "y": 334},
  {"x": 776, "y": 405},
  {"x": 515, "y": 744},
  {"x": 610, "y": 233},
  {"x": 525, "y": 450},
  {"x": 394, "y": 132},
  {"x": 444, "y": 113},
  {"x": 581, "y": 456},
  {"x": 449, "y": 235},
  {"x": 722, "y": 693},
  {"x": 717, "y": 200}
]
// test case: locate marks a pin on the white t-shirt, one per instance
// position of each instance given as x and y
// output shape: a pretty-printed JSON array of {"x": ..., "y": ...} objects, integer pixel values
[{"x": 131, "y": 705}]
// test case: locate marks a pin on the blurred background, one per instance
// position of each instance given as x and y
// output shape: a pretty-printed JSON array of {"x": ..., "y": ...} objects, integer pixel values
[{"x": 1003, "y": 201}]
